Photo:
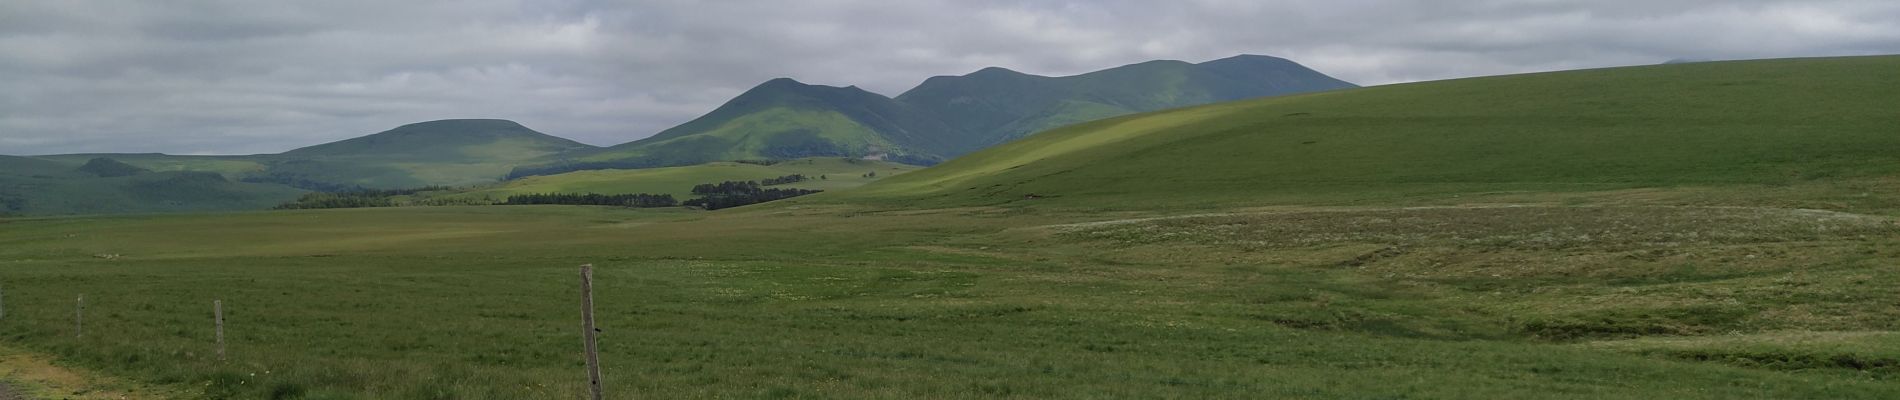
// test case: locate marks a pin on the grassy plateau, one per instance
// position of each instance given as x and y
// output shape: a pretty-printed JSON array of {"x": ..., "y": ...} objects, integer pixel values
[{"x": 1696, "y": 231}]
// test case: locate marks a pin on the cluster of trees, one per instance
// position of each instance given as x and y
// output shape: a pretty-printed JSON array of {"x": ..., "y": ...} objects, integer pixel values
[
  {"x": 321, "y": 200},
  {"x": 357, "y": 197},
  {"x": 452, "y": 201},
  {"x": 12, "y": 205},
  {"x": 730, "y": 194},
  {"x": 637, "y": 200},
  {"x": 727, "y": 187},
  {"x": 910, "y": 159},
  {"x": 301, "y": 182},
  {"x": 713, "y": 196},
  {"x": 562, "y": 168},
  {"x": 110, "y": 168},
  {"x": 793, "y": 178},
  {"x": 396, "y": 192}
]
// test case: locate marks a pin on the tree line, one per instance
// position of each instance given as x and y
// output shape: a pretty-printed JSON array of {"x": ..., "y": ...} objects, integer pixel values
[
  {"x": 636, "y": 200},
  {"x": 359, "y": 197},
  {"x": 566, "y": 167},
  {"x": 788, "y": 179},
  {"x": 712, "y": 196},
  {"x": 728, "y": 194}
]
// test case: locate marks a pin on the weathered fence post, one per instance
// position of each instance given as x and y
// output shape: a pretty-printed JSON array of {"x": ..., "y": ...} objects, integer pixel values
[
  {"x": 79, "y": 317},
  {"x": 588, "y": 330},
  {"x": 217, "y": 317}
]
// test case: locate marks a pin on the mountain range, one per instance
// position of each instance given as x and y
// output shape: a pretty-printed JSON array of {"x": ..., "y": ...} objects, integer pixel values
[
  {"x": 942, "y": 118},
  {"x": 781, "y": 119}
]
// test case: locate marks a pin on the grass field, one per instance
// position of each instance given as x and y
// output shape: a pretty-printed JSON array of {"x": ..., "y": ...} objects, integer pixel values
[
  {"x": 1611, "y": 253},
  {"x": 1578, "y": 301}
]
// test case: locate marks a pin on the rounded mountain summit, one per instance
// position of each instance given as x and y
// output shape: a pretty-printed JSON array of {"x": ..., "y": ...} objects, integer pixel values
[{"x": 449, "y": 140}]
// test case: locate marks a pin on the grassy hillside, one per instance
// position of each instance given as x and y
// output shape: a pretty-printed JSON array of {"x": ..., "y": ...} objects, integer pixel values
[
  {"x": 233, "y": 167},
  {"x": 30, "y": 186},
  {"x": 1761, "y": 123},
  {"x": 944, "y": 117},
  {"x": 838, "y": 173},
  {"x": 27, "y": 166},
  {"x": 996, "y": 105},
  {"x": 447, "y": 152},
  {"x": 780, "y": 119},
  {"x": 448, "y": 141}
]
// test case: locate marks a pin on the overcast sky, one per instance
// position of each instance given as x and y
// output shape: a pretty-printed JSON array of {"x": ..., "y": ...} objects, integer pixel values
[{"x": 252, "y": 76}]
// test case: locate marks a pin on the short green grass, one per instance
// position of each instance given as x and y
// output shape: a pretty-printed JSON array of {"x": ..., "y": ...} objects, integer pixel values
[{"x": 830, "y": 302}]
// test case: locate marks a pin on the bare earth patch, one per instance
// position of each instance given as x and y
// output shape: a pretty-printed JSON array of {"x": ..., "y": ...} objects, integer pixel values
[{"x": 26, "y": 376}]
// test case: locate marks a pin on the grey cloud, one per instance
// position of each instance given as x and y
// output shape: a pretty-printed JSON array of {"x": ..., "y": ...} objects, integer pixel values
[{"x": 240, "y": 76}]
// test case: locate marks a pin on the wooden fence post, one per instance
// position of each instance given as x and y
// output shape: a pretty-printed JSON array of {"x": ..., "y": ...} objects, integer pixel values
[
  {"x": 79, "y": 317},
  {"x": 217, "y": 317},
  {"x": 588, "y": 330}
]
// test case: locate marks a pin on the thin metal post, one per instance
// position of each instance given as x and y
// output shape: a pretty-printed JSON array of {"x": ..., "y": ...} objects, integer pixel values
[
  {"x": 217, "y": 317},
  {"x": 79, "y": 317},
  {"x": 588, "y": 330}
]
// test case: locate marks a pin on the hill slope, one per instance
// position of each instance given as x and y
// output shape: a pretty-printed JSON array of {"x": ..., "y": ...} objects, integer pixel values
[
  {"x": 31, "y": 186},
  {"x": 783, "y": 119},
  {"x": 944, "y": 117},
  {"x": 109, "y": 168},
  {"x": 997, "y": 105},
  {"x": 450, "y": 141},
  {"x": 446, "y": 152},
  {"x": 828, "y": 173},
  {"x": 1755, "y": 122}
]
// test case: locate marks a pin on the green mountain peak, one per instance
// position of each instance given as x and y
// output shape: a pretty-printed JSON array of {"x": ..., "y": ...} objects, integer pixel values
[
  {"x": 943, "y": 117},
  {"x": 449, "y": 139},
  {"x": 109, "y": 168}
]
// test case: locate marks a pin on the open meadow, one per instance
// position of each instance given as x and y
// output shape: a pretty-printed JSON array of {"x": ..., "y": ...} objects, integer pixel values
[
  {"x": 1617, "y": 296},
  {"x": 1706, "y": 231}
]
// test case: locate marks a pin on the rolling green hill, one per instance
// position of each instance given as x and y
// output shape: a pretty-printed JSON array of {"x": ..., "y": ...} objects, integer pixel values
[
  {"x": 836, "y": 173},
  {"x": 446, "y": 141},
  {"x": 447, "y": 152},
  {"x": 1771, "y": 122},
  {"x": 110, "y": 168},
  {"x": 783, "y": 119},
  {"x": 233, "y": 167},
  {"x": 946, "y": 116},
  {"x": 28, "y": 166},
  {"x": 31, "y": 186},
  {"x": 997, "y": 105}
]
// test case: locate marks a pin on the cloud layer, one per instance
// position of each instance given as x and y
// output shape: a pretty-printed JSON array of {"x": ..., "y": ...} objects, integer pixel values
[{"x": 244, "y": 76}]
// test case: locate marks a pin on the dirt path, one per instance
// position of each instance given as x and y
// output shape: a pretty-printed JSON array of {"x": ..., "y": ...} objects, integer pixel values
[
  {"x": 23, "y": 376},
  {"x": 6, "y": 393}
]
